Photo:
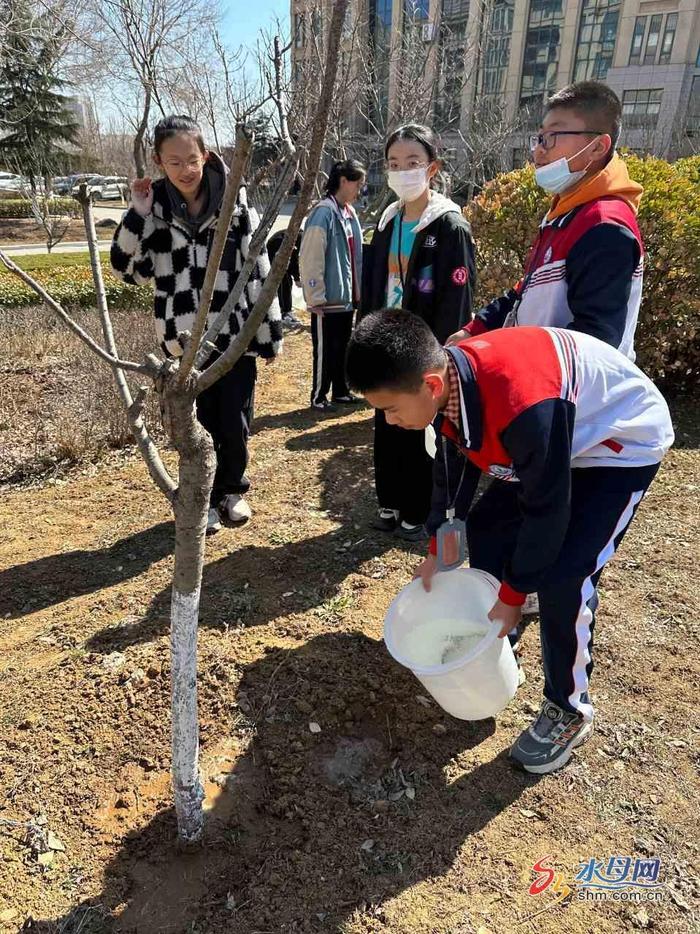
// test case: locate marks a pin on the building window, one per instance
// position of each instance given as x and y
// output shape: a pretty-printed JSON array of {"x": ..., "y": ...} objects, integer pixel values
[
  {"x": 541, "y": 60},
  {"x": 641, "y": 108},
  {"x": 692, "y": 121},
  {"x": 497, "y": 48},
  {"x": 299, "y": 30},
  {"x": 455, "y": 9},
  {"x": 637, "y": 40},
  {"x": 416, "y": 9},
  {"x": 596, "y": 39},
  {"x": 453, "y": 20},
  {"x": 380, "y": 14},
  {"x": 669, "y": 37},
  {"x": 654, "y": 48},
  {"x": 652, "y": 39},
  {"x": 448, "y": 103}
]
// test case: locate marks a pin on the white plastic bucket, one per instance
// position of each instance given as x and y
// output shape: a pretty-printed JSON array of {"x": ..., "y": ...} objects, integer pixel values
[{"x": 473, "y": 685}]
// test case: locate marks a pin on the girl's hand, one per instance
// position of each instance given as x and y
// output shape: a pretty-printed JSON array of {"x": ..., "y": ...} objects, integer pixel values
[
  {"x": 426, "y": 571},
  {"x": 142, "y": 196},
  {"x": 457, "y": 337}
]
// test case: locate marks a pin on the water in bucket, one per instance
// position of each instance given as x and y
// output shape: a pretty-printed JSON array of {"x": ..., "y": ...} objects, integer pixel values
[{"x": 440, "y": 641}]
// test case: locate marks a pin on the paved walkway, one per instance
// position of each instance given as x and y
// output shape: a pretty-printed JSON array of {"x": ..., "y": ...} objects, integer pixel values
[{"x": 79, "y": 246}]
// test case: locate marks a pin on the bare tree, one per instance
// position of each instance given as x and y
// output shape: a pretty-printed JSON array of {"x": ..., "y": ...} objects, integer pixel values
[
  {"x": 178, "y": 383},
  {"x": 142, "y": 44},
  {"x": 51, "y": 215}
]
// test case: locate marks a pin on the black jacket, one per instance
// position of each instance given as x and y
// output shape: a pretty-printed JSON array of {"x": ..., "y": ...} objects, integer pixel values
[{"x": 444, "y": 247}]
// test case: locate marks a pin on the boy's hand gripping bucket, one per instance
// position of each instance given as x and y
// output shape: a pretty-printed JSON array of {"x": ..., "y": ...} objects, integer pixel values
[{"x": 447, "y": 640}]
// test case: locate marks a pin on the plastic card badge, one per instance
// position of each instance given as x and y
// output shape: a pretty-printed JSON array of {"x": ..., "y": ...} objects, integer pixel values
[{"x": 451, "y": 543}]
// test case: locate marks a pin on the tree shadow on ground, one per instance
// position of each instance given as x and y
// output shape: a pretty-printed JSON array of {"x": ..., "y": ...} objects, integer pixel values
[
  {"x": 306, "y": 417},
  {"x": 37, "y": 585},
  {"x": 256, "y": 584},
  {"x": 312, "y": 827}
]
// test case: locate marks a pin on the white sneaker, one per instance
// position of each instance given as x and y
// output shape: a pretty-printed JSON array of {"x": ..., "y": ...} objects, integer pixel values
[
  {"x": 213, "y": 521},
  {"x": 235, "y": 509},
  {"x": 531, "y": 607}
]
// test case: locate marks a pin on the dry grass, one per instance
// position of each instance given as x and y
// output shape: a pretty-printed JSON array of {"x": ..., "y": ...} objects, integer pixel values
[{"x": 58, "y": 402}]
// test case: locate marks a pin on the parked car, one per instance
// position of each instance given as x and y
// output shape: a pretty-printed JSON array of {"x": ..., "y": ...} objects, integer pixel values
[
  {"x": 63, "y": 185},
  {"x": 113, "y": 188},
  {"x": 104, "y": 188},
  {"x": 93, "y": 183},
  {"x": 11, "y": 182}
]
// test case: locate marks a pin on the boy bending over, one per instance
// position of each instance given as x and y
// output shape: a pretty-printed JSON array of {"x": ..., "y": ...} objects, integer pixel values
[{"x": 573, "y": 434}]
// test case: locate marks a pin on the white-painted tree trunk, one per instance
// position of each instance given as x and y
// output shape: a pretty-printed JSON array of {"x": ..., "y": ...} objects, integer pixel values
[{"x": 187, "y": 786}]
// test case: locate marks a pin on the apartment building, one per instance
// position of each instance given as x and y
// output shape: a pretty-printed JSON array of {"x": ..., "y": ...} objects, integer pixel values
[{"x": 501, "y": 59}]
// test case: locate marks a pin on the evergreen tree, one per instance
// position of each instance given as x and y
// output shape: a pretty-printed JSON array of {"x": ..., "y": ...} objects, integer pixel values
[{"x": 36, "y": 125}]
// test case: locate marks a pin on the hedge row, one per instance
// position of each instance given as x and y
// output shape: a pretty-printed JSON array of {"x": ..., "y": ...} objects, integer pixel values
[
  {"x": 505, "y": 218},
  {"x": 22, "y": 207},
  {"x": 73, "y": 287}
]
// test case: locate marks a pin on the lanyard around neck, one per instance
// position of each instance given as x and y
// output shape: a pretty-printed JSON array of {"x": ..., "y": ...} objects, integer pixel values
[{"x": 401, "y": 275}]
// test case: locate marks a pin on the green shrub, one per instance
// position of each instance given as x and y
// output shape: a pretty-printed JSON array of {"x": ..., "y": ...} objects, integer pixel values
[
  {"x": 22, "y": 207},
  {"x": 32, "y": 261},
  {"x": 71, "y": 286},
  {"x": 505, "y": 218}
]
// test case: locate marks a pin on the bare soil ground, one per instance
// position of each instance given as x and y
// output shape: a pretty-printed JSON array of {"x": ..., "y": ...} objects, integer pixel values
[
  {"x": 26, "y": 230},
  {"x": 394, "y": 817}
]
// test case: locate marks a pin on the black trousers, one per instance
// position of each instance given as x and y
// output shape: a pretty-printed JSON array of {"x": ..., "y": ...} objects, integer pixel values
[
  {"x": 403, "y": 470},
  {"x": 284, "y": 294},
  {"x": 330, "y": 335},
  {"x": 226, "y": 411},
  {"x": 603, "y": 503}
]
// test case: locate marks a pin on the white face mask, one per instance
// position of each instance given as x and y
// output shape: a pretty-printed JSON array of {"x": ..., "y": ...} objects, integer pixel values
[
  {"x": 409, "y": 184},
  {"x": 557, "y": 177}
]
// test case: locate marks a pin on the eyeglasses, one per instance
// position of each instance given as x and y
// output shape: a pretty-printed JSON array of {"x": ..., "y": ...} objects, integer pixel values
[
  {"x": 394, "y": 166},
  {"x": 178, "y": 166},
  {"x": 548, "y": 139}
]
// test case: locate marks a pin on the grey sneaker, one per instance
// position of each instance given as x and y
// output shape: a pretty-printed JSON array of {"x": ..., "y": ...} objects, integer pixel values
[
  {"x": 234, "y": 508},
  {"x": 547, "y": 745},
  {"x": 213, "y": 521},
  {"x": 292, "y": 323}
]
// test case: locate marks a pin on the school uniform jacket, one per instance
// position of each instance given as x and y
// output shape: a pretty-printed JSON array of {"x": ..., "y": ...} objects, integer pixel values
[
  {"x": 535, "y": 403},
  {"x": 441, "y": 273},
  {"x": 330, "y": 275},
  {"x": 173, "y": 252},
  {"x": 585, "y": 269}
]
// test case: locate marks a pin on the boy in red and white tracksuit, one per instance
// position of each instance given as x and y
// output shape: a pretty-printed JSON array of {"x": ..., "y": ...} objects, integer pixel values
[
  {"x": 572, "y": 433},
  {"x": 585, "y": 268}
]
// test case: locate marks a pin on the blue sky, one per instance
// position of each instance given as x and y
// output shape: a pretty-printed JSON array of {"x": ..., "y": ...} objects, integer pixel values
[{"x": 243, "y": 19}]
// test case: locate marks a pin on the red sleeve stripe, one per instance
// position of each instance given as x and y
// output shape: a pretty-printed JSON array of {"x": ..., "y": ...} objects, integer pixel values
[
  {"x": 572, "y": 349},
  {"x": 564, "y": 353}
]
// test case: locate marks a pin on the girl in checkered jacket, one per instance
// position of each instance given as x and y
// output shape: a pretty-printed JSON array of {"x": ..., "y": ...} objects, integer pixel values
[{"x": 165, "y": 236}]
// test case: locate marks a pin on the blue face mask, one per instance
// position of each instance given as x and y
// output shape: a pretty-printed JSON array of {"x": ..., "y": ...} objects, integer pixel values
[{"x": 557, "y": 176}]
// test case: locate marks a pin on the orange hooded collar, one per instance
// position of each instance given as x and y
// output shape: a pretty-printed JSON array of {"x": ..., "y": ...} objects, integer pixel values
[{"x": 612, "y": 180}]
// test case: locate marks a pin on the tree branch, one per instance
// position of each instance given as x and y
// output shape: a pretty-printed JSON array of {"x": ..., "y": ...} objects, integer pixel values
[
  {"x": 134, "y": 409},
  {"x": 256, "y": 246},
  {"x": 244, "y": 143},
  {"x": 279, "y": 266}
]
